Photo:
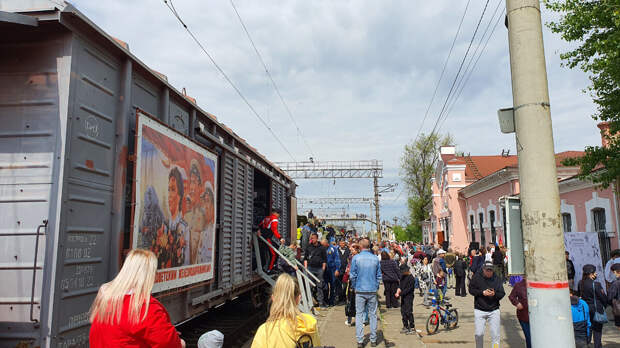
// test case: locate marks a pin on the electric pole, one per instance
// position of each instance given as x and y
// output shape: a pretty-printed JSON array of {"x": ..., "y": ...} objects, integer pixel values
[
  {"x": 376, "y": 186},
  {"x": 543, "y": 240}
]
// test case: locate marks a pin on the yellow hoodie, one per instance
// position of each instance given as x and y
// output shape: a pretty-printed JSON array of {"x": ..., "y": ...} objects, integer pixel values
[{"x": 280, "y": 335}]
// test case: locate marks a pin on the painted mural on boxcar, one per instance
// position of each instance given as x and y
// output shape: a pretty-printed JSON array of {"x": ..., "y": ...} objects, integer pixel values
[{"x": 175, "y": 199}]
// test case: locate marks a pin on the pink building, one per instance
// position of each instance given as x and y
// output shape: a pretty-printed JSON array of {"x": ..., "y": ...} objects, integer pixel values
[{"x": 467, "y": 190}]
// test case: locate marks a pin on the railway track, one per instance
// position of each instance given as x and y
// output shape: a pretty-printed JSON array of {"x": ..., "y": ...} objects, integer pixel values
[{"x": 237, "y": 320}]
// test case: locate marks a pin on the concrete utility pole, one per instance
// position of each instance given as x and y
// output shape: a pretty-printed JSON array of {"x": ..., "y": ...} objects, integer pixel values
[
  {"x": 543, "y": 240},
  {"x": 376, "y": 186}
]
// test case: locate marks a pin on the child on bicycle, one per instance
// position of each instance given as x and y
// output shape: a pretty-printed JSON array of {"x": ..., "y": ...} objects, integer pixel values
[{"x": 406, "y": 293}]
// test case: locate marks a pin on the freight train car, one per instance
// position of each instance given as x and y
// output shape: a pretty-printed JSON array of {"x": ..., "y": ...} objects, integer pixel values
[{"x": 99, "y": 154}]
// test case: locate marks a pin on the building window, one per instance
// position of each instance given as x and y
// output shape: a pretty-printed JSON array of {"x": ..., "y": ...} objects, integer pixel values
[
  {"x": 492, "y": 222},
  {"x": 599, "y": 219},
  {"x": 471, "y": 224},
  {"x": 504, "y": 221},
  {"x": 567, "y": 222},
  {"x": 483, "y": 238}
]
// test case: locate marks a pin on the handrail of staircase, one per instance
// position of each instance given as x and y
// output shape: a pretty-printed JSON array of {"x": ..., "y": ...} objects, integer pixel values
[
  {"x": 307, "y": 272},
  {"x": 304, "y": 270}
]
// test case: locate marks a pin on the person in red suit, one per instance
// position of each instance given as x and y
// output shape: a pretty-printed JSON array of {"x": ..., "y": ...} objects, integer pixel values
[
  {"x": 269, "y": 231},
  {"x": 124, "y": 314}
]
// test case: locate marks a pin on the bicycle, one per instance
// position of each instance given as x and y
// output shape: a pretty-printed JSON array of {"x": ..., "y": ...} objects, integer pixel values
[{"x": 447, "y": 316}]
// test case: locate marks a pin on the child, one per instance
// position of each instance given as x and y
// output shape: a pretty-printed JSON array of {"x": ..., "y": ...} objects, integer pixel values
[
  {"x": 440, "y": 282},
  {"x": 406, "y": 293},
  {"x": 289, "y": 252},
  {"x": 581, "y": 319}
]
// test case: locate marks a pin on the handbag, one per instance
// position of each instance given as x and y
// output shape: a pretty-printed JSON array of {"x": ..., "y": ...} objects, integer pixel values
[
  {"x": 600, "y": 318},
  {"x": 616, "y": 307}
]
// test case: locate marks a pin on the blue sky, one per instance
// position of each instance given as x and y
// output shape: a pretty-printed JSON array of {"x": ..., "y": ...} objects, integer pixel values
[{"x": 357, "y": 76}]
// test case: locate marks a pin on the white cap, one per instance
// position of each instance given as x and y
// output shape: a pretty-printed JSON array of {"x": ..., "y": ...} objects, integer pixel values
[
  {"x": 211, "y": 339},
  {"x": 441, "y": 251}
]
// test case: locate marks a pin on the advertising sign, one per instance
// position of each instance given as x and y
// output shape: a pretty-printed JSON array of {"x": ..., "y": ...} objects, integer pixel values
[
  {"x": 583, "y": 249},
  {"x": 175, "y": 199}
]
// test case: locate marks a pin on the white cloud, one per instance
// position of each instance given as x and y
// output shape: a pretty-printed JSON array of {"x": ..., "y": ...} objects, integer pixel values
[{"x": 358, "y": 75}]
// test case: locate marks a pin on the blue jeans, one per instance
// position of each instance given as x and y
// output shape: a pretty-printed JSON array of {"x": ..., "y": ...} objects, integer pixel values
[
  {"x": 363, "y": 302},
  {"x": 526, "y": 331}
]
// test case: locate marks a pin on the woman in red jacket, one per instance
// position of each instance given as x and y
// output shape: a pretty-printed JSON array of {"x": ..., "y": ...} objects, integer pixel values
[{"x": 124, "y": 314}]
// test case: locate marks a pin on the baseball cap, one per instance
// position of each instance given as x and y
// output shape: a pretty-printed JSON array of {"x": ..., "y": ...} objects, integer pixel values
[
  {"x": 488, "y": 265},
  {"x": 441, "y": 251}
]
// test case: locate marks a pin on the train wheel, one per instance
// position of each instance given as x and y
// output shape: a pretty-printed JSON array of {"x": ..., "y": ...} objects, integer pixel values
[{"x": 257, "y": 296}]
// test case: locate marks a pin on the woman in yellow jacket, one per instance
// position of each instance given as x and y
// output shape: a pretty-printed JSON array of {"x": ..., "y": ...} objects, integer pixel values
[{"x": 286, "y": 324}]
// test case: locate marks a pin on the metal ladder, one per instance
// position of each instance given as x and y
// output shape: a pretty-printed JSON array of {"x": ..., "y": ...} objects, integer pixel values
[{"x": 303, "y": 276}]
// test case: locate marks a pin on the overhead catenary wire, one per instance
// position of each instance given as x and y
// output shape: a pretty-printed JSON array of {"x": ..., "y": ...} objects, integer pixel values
[
  {"x": 443, "y": 70},
  {"x": 273, "y": 82},
  {"x": 458, "y": 95},
  {"x": 460, "y": 67},
  {"x": 469, "y": 67},
  {"x": 171, "y": 7}
]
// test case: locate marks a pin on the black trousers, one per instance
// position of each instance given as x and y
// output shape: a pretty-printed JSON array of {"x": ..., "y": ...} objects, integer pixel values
[
  {"x": 390, "y": 292},
  {"x": 460, "y": 286},
  {"x": 596, "y": 332},
  {"x": 406, "y": 311}
]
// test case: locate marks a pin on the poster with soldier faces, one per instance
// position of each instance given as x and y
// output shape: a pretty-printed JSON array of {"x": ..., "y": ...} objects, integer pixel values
[{"x": 175, "y": 211}]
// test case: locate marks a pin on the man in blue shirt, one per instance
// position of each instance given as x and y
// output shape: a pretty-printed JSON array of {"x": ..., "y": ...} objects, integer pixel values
[{"x": 365, "y": 275}]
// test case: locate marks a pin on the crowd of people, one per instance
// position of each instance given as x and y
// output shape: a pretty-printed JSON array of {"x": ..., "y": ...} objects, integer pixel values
[{"x": 350, "y": 271}]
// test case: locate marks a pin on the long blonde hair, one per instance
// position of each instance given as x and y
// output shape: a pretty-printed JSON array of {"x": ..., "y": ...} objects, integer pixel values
[
  {"x": 136, "y": 278},
  {"x": 284, "y": 302}
]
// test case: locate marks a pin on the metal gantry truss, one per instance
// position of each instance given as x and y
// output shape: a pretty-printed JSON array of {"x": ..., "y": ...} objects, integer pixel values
[
  {"x": 341, "y": 170},
  {"x": 334, "y": 200},
  {"x": 333, "y": 169}
]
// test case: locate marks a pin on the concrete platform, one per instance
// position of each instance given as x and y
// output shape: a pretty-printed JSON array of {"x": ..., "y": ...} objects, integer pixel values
[{"x": 334, "y": 332}]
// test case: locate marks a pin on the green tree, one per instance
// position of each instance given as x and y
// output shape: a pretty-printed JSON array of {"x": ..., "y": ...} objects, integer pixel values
[
  {"x": 410, "y": 233},
  {"x": 595, "y": 27},
  {"x": 417, "y": 167}
]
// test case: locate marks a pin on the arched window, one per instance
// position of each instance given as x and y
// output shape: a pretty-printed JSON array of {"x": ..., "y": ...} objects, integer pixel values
[
  {"x": 483, "y": 238},
  {"x": 471, "y": 224},
  {"x": 492, "y": 222},
  {"x": 599, "y": 219}
]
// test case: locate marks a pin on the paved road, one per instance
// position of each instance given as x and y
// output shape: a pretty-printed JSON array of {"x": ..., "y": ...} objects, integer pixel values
[{"x": 334, "y": 332}]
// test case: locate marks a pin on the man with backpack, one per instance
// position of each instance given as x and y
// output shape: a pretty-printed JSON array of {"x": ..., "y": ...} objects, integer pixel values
[{"x": 269, "y": 231}]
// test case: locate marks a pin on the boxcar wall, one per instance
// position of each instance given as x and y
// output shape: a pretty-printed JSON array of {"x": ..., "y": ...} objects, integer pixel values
[{"x": 68, "y": 109}]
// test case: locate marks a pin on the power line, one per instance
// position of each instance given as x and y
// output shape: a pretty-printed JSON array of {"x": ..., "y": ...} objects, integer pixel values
[
  {"x": 275, "y": 86},
  {"x": 445, "y": 64},
  {"x": 460, "y": 67},
  {"x": 458, "y": 95},
  {"x": 469, "y": 68},
  {"x": 170, "y": 6}
]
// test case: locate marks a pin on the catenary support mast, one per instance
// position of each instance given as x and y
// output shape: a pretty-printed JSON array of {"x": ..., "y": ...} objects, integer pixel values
[{"x": 548, "y": 297}]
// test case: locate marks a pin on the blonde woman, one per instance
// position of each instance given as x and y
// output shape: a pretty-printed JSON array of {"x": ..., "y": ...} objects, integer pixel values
[
  {"x": 286, "y": 324},
  {"x": 125, "y": 314}
]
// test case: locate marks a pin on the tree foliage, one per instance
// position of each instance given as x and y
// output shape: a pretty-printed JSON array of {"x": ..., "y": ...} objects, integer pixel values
[
  {"x": 411, "y": 233},
  {"x": 417, "y": 167},
  {"x": 595, "y": 27}
]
